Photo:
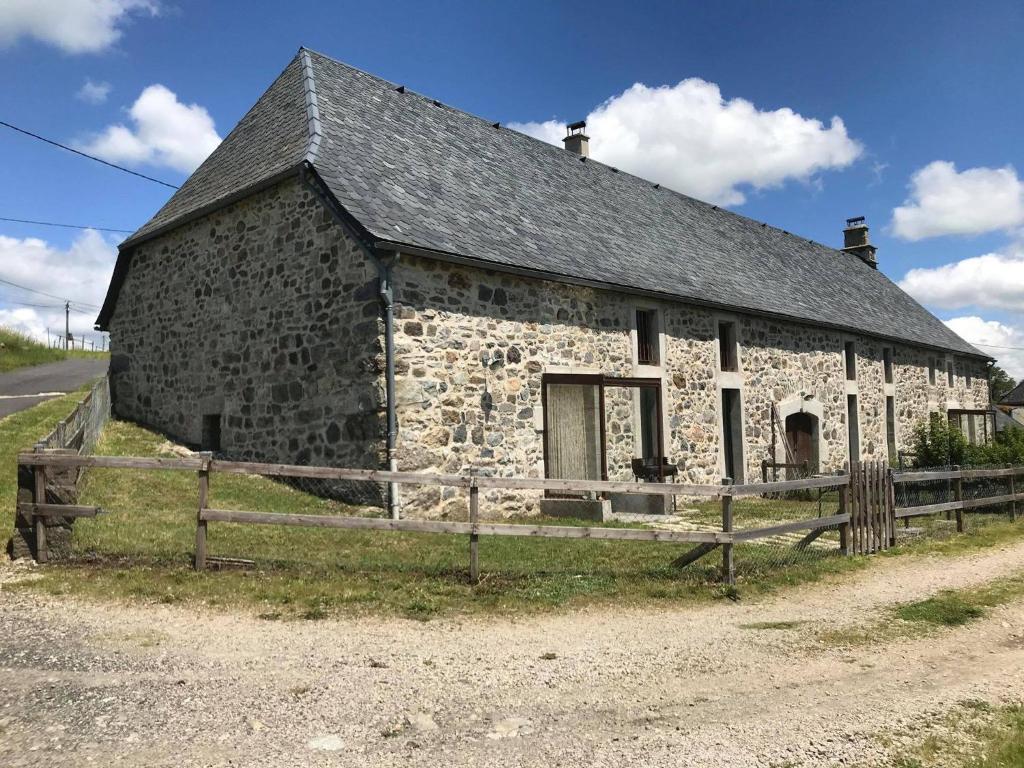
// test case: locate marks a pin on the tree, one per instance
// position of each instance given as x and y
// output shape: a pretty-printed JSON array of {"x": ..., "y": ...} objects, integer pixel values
[{"x": 1001, "y": 383}]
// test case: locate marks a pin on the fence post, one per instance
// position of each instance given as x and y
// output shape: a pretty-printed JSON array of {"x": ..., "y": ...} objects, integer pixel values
[
  {"x": 845, "y": 544},
  {"x": 958, "y": 495},
  {"x": 728, "y": 566},
  {"x": 474, "y": 537},
  {"x": 39, "y": 521},
  {"x": 1013, "y": 493},
  {"x": 204, "y": 497}
]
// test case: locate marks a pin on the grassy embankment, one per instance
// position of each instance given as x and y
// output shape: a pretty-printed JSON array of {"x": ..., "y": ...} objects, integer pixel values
[{"x": 18, "y": 351}]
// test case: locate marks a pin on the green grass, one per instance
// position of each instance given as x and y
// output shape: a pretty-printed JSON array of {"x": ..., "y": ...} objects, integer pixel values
[
  {"x": 949, "y": 608},
  {"x": 977, "y": 735},
  {"x": 18, "y": 350},
  {"x": 19, "y": 432},
  {"x": 142, "y": 548}
]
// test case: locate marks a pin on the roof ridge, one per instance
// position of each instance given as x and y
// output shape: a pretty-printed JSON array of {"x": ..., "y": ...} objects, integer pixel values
[
  {"x": 589, "y": 161},
  {"x": 312, "y": 107}
]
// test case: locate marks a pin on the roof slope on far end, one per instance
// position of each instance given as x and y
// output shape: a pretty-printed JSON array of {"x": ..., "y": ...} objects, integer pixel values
[
  {"x": 1014, "y": 397},
  {"x": 416, "y": 172}
]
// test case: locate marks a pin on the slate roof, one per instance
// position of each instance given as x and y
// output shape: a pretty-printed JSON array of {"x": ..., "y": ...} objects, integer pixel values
[
  {"x": 414, "y": 172},
  {"x": 1014, "y": 397}
]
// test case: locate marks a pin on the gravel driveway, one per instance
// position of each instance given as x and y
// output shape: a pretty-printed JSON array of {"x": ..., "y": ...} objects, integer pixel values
[{"x": 168, "y": 686}]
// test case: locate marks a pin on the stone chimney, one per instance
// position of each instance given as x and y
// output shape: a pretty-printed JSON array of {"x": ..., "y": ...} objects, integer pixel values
[
  {"x": 855, "y": 241},
  {"x": 576, "y": 140}
]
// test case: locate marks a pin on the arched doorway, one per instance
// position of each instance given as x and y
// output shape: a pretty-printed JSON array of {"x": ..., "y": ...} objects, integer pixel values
[{"x": 802, "y": 436}]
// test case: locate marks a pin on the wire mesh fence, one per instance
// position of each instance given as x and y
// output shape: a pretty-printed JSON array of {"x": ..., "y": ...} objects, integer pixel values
[{"x": 82, "y": 428}]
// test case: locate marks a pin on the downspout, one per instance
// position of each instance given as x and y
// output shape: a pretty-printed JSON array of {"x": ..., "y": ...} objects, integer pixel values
[{"x": 386, "y": 295}]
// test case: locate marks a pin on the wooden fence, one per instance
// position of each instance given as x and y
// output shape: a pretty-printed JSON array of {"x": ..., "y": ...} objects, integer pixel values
[
  {"x": 204, "y": 465},
  {"x": 865, "y": 512},
  {"x": 958, "y": 505}
]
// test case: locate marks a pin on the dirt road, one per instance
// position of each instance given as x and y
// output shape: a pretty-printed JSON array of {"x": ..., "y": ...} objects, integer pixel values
[{"x": 161, "y": 685}]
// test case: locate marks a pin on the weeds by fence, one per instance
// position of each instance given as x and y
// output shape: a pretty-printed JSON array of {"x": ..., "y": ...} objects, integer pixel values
[
  {"x": 754, "y": 528},
  {"x": 74, "y": 435}
]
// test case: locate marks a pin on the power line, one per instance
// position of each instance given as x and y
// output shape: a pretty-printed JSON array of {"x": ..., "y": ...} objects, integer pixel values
[
  {"x": 994, "y": 346},
  {"x": 48, "y": 295},
  {"x": 67, "y": 226},
  {"x": 83, "y": 154}
]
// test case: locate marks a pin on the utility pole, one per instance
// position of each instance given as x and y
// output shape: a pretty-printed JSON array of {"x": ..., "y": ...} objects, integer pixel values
[{"x": 67, "y": 323}]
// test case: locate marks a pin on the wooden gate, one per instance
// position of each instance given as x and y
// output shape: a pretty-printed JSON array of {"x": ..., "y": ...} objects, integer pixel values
[{"x": 872, "y": 513}]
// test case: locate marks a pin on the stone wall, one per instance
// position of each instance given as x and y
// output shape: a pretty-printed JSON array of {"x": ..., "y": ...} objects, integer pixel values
[
  {"x": 265, "y": 313},
  {"x": 472, "y": 346}
]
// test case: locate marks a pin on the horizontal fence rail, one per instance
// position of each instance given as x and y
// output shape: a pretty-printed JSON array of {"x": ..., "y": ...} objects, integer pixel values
[
  {"x": 863, "y": 514},
  {"x": 205, "y": 466},
  {"x": 958, "y": 505}
]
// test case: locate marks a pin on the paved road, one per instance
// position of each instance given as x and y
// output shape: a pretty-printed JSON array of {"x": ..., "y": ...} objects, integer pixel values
[{"x": 25, "y": 387}]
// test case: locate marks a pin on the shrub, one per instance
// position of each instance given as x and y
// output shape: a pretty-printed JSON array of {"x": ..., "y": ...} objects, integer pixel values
[{"x": 937, "y": 443}]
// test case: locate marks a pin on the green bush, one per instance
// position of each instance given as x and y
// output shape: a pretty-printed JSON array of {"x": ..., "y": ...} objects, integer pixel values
[{"x": 937, "y": 443}]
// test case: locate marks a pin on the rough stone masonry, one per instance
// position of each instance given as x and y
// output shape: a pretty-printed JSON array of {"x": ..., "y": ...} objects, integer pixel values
[{"x": 265, "y": 315}]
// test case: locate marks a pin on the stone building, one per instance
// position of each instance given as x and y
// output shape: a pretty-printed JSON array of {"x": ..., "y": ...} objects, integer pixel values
[{"x": 362, "y": 276}]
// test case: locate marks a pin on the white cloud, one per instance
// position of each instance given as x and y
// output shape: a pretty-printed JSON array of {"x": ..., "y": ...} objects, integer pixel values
[
  {"x": 690, "y": 139},
  {"x": 93, "y": 93},
  {"x": 74, "y": 26},
  {"x": 1000, "y": 336},
  {"x": 165, "y": 132},
  {"x": 991, "y": 281},
  {"x": 80, "y": 273},
  {"x": 944, "y": 201}
]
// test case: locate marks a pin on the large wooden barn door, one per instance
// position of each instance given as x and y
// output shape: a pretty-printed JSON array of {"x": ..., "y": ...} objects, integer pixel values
[
  {"x": 872, "y": 513},
  {"x": 573, "y": 450}
]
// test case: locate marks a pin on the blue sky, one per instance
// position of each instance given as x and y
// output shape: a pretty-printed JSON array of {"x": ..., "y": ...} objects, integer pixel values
[{"x": 927, "y": 95}]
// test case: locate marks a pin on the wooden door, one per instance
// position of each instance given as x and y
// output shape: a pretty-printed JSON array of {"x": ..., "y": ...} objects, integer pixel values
[{"x": 800, "y": 436}]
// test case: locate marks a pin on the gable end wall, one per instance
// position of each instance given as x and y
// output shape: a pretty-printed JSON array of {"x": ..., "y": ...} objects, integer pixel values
[{"x": 264, "y": 312}]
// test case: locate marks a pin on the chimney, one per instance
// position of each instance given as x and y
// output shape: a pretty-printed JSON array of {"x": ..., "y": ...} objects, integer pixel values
[
  {"x": 855, "y": 241},
  {"x": 576, "y": 140}
]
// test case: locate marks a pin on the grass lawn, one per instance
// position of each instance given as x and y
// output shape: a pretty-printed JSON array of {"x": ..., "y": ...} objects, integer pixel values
[
  {"x": 142, "y": 548},
  {"x": 18, "y": 350},
  {"x": 19, "y": 432},
  {"x": 143, "y": 545}
]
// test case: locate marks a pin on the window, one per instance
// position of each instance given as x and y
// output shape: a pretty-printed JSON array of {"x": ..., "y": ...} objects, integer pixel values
[
  {"x": 890, "y": 427},
  {"x": 968, "y": 379},
  {"x": 732, "y": 434},
  {"x": 211, "y": 433},
  {"x": 647, "y": 336},
  {"x": 887, "y": 362},
  {"x": 976, "y": 425},
  {"x": 727, "y": 356},
  {"x": 853, "y": 425},
  {"x": 949, "y": 372},
  {"x": 851, "y": 361},
  {"x": 931, "y": 370}
]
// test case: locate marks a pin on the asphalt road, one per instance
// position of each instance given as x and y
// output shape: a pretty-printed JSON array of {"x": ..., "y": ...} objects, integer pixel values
[{"x": 25, "y": 387}]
